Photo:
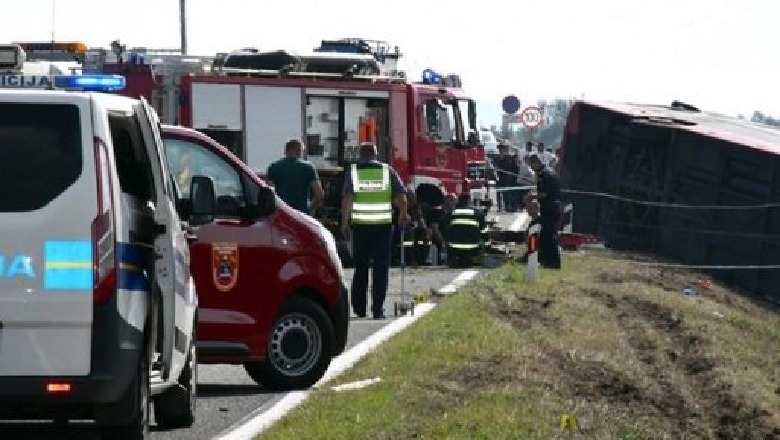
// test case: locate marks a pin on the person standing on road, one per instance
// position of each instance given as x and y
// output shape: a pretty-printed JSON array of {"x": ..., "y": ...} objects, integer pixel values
[
  {"x": 295, "y": 179},
  {"x": 506, "y": 167},
  {"x": 525, "y": 175},
  {"x": 464, "y": 233},
  {"x": 370, "y": 190},
  {"x": 548, "y": 194}
]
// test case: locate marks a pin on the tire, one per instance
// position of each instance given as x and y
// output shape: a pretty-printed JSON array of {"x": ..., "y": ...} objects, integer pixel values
[
  {"x": 175, "y": 408},
  {"x": 300, "y": 347},
  {"x": 135, "y": 403}
]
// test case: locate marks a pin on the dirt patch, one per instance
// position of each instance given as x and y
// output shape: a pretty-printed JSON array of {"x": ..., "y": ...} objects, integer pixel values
[
  {"x": 524, "y": 312},
  {"x": 685, "y": 388},
  {"x": 594, "y": 380},
  {"x": 479, "y": 372}
]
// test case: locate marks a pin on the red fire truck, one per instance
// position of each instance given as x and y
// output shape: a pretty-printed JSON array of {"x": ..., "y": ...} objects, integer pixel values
[{"x": 343, "y": 93}]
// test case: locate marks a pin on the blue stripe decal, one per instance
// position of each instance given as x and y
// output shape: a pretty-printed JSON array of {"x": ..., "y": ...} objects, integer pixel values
[
  {"x": 134, "y": 267},
  {"x": 67, "y": 265}
]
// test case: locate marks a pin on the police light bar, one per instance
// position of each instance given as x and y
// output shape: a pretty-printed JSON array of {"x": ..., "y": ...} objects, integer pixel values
[
  {"x": 83, "y": 83},
  {"x": 90, "y": 83}
]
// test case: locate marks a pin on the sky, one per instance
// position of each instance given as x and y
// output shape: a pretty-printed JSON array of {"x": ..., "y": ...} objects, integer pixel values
[{"x": 715, "y": 54}]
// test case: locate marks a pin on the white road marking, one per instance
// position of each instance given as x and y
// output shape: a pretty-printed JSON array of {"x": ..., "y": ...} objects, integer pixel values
[
  {"x": 260, "y": 420},
  {"x": 356, "y": 385},
  {"x": 458, "y": 282},
  {"x": 521, "y": 221}
]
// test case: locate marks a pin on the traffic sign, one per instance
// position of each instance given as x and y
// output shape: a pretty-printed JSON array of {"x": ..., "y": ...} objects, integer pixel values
[
  {"x": 510, "y": 104},
  {"x": 531, "y": 117}
]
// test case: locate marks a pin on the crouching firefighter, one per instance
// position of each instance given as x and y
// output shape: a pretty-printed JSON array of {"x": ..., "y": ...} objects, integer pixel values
[{"x": 464, "y": 233}]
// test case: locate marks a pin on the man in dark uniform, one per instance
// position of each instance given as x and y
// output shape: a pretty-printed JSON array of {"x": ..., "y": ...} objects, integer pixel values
[
  {"x": 548, "y": 194},
  {"x": 370, "y": 189},
  {"x": 464, "y": 232},
  {"x": 506, "y": 168}
]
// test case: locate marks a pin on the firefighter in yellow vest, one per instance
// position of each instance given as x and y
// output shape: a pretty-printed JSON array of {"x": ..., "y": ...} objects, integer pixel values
[
  {"x": 370, "y": 189},
  {"x": 464, "y": 233}
]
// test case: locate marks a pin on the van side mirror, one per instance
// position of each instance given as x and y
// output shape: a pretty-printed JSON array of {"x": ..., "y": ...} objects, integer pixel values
[
  {"x": 203, "y": 200},
  {"x": 265, "y": 204}
]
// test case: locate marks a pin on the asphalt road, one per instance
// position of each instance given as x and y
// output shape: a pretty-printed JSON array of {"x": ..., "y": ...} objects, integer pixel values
[{"x": 226, "y": 394}]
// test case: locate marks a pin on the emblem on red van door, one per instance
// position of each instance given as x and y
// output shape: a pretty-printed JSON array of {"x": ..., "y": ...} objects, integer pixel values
[{"x": 224, "y": 265}]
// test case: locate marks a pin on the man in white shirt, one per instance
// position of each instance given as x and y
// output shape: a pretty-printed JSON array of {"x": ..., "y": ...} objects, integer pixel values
[
  {"x": 548, "y": 158},
  {"x": 525, "y": 175}
]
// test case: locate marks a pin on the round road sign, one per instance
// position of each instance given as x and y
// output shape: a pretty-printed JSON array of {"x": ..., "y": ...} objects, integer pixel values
[
  {"x": 510, "y": 104},
  {"x": 531, "y": 117}
]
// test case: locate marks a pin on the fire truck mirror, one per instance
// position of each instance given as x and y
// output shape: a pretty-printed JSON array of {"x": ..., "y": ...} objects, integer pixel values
[
  {"x": 473, "y": 138},
  {"x": 473, "y": 114}
]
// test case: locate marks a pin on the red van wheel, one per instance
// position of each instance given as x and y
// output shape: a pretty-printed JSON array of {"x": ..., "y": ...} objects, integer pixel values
[{"x": 300, "y": 347}]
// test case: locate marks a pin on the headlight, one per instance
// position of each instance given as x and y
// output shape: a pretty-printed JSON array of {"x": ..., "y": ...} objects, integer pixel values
[{"x": 330, "y": 244}]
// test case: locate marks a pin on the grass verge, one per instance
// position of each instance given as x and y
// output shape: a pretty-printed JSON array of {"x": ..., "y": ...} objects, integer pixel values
[{"x": 610, "y": 342}]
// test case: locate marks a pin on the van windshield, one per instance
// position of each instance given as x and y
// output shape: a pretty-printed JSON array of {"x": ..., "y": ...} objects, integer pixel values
[{"x": 40, "y": 153}]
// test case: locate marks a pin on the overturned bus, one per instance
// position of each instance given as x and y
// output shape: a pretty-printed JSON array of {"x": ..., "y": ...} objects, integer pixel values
[{"x": 698, "y": 188}]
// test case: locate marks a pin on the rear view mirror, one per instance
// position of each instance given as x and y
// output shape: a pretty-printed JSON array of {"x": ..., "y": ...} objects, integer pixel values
[
  {"x": 266, "y": 201},
  {"x": 203, "y": 200},
  {"x": 472, "y": 113}
]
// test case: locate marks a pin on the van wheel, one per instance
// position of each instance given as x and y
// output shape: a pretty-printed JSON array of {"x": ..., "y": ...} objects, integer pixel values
[
  {"x": 134, "y": 405},
  {"x": 175, "y": 408},
  {"x": 300, "y": 347}
]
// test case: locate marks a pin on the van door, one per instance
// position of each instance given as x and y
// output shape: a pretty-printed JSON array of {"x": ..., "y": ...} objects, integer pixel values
[
  {"x": 49, "y": 203},
  {"x": 171, "y": 255},
  {"x": 235, "y": 260}
]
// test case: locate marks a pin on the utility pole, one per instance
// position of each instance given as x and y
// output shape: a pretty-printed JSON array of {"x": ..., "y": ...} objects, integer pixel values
[{"x": 183, "y": 25}]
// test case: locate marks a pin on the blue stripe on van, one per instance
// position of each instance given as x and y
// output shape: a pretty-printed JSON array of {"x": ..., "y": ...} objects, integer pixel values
[
  {"x": 67, "y": 265},
  {"x": 134, "y": 262}
]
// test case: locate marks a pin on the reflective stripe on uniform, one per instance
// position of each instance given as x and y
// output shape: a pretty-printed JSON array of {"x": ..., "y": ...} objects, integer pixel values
[
  {"x": 465, "y": 222},
  {"x": 366, "y": 217},
  {"x": 372, "y": 207},
  {"x": 463, "y": 246},
  {"x": 463, "y": 211}
]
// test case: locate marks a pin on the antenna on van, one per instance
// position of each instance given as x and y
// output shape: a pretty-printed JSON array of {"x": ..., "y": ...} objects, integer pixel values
[{"x": 53, "y": 22}]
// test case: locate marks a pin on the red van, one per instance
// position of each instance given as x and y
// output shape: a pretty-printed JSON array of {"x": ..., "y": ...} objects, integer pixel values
[{"x": 270, "y": 283}]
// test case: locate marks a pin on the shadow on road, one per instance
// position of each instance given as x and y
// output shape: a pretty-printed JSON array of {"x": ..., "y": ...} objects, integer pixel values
[
  {"x": 48, "y": 431},
  {"x": 212, "y": 390}
]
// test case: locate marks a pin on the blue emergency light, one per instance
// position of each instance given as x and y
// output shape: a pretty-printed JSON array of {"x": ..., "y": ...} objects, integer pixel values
[
  {"x": 90, "y": 83},
  {"x": 430, "y": 76}
]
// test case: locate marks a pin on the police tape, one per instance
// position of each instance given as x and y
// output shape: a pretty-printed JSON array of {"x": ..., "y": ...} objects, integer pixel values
[
  {"x": 646, "y": 202},
  {"x": 699, "y": 231},
  {"x": 703, "y": 266}
]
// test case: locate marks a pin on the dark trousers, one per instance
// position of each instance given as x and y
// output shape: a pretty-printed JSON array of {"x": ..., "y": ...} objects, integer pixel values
[
  {"x": 370, "y": 247},
  {"x": 549, "y": 253}
]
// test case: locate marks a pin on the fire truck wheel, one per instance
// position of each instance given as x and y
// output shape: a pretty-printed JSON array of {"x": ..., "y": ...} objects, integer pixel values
[{"x": 300, "y": 347}]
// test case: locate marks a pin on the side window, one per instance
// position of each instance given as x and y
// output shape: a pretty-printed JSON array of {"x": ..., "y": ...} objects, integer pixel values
[
  {"x": 439, "y": 121},
  {"x": 132, "y": 162},
  {"x": 189, "y": 159}
]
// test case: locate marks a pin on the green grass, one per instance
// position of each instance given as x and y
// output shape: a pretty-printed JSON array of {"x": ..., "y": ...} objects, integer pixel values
[{"x": 505, "y": 360}]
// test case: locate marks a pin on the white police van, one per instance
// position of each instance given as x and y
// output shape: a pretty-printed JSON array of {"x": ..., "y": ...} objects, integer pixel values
[{"x": 97, "y": 305}]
